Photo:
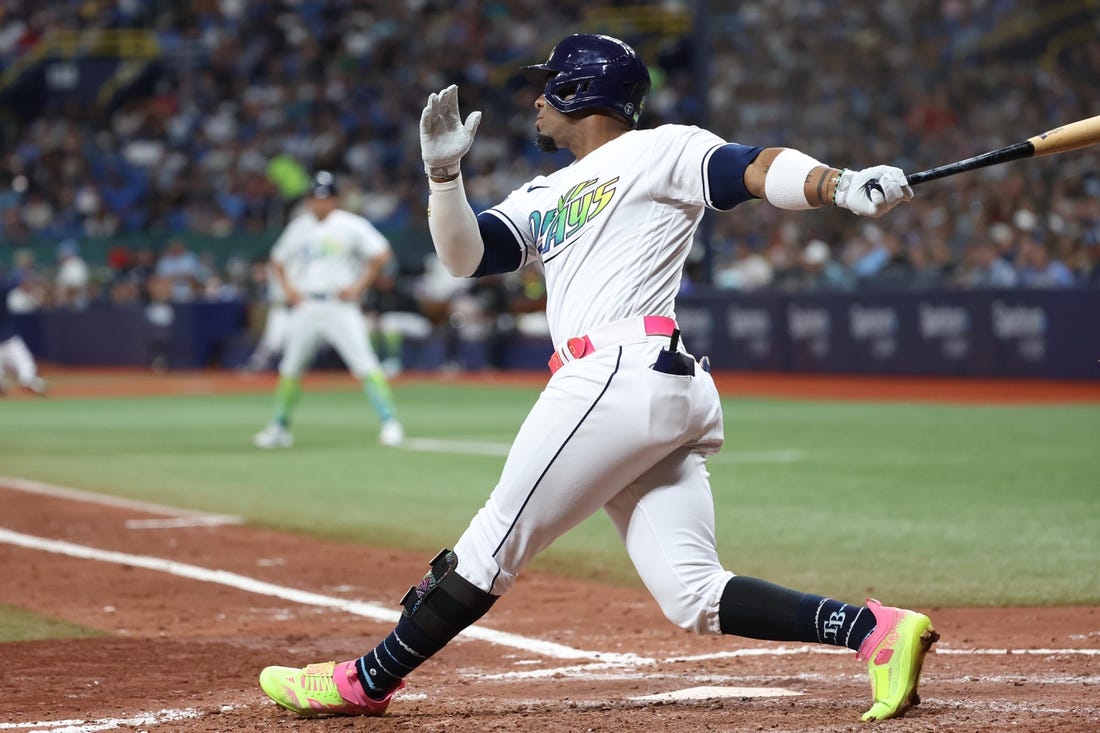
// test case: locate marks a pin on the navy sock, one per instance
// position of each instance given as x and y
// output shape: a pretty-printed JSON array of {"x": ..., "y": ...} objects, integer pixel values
[
  {"x": 834, "y": 622},
  {"x": 406, "y": 648},
  {"x": 442, "y": 604},
  {"x": 757, "y": 609}
]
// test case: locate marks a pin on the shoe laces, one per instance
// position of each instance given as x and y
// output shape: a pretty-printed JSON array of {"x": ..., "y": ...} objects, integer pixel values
[{"x": 318, "y": 678}]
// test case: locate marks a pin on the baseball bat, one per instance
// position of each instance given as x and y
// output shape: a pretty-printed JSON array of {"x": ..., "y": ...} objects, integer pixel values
[{"x": 1071, "y": 136}]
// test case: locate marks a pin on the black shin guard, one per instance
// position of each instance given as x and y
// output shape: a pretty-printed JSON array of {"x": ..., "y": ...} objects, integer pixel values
[{"x": 444, "y": 603}]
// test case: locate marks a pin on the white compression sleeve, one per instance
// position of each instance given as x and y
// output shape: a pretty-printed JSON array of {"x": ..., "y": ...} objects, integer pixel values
[
  {"x": 453, "y": 226},
  {"x": 785, "y": 184}
]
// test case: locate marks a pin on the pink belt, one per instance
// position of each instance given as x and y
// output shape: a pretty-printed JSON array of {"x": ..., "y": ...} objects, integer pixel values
[{"x": 619, "y": 332}]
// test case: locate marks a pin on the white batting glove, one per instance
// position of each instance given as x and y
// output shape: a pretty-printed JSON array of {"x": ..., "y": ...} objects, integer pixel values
[
  {"x": 443, "y": 137},
  {"x": 872, "y": 191}
]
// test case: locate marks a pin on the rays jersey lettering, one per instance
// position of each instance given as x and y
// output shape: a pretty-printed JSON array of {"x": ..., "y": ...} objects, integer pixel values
[
  {"x": 613, "y": 229},
  {"x": 321, "y": 247},
  {"x": 554, "y": 228}
]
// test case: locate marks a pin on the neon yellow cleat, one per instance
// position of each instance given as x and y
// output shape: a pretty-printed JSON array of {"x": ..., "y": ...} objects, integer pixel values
[
  {"x": 894, "y": 653},
  {"x": 315, "y": 690}
]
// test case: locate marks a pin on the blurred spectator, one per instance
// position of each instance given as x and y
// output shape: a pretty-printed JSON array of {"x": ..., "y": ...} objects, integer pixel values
[
  {"x": 73, "y": 280},
  {"x": 182, "y": 269},
  {"x": 24, "y": 287},
  {"x": 445, "y": 301},
  {"x": 160, "y": 315},
  {"x": 932, "y": 262},
  {"x": 748, "y": 270},
  {"x": 221, "y": 140},
  {"x": 394, "y": 317},
  {"x": 528, "y": 302},
  {"x": 1038, "y": 269},
  {"x": 887, "y": 264},
  {"x": 984, "y": 268},
  {"x": 822, "y": 273},
  {"x": 143, "y": 269},
  {"x": 484, "y": 315}
]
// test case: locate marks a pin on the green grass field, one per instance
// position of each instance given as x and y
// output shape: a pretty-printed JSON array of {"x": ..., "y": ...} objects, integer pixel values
[{"x": 920, "y": 504}]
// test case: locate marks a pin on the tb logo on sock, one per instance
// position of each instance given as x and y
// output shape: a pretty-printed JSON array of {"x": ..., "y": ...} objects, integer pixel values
[{"x": 833, "y": 626}]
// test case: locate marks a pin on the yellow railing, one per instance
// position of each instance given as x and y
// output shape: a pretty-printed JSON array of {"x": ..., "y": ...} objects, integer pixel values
[
  {"x": 1021, "y": 26},
  {"x": 649, "y": 19},
  {"x": 106, "y": 42}
]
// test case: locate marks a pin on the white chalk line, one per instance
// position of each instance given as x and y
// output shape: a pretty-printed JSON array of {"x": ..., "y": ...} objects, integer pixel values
[
  {"x": 259, "y": 587},
  {"x": 1011, "y": 652},
  {"x": 758, "y": 456},
  {"x": 484, "y": 448},
  {"x": 90, "y": 497},
  {"x": 616, "y": 673},
  {"x": 432, "y": 445},
  {"x": 180, "y": 522},
  {"x": 938, "y": 649},
  {"x": 90, "y": 726}
]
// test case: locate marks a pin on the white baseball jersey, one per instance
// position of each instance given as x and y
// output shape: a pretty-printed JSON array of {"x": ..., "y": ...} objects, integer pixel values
[
  {"x": 614, "y": 229},
  {"x": 322, "y": 256}
]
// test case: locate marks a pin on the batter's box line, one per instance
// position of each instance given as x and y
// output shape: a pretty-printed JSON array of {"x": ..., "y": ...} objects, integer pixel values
[{"x": 179, "y": 517}]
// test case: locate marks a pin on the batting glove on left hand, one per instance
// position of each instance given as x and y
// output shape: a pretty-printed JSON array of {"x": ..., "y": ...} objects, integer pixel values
[
  {"x": 872, "y": 191},
  {"x": 444, "y": 139}
]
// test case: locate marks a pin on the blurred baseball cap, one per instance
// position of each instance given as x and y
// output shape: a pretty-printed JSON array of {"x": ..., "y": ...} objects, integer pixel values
[{"x": 323, "y": 185}]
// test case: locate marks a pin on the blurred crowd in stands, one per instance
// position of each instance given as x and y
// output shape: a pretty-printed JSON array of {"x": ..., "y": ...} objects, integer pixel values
[{"x": 251, "y": 96}]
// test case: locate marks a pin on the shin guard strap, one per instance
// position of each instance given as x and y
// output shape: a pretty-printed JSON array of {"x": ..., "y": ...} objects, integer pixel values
[{"x": 444, "y": 603}]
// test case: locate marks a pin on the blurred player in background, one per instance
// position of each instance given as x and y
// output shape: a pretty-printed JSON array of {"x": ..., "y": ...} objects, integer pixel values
[
  {"x": 325, "y": 260},
  {"x": 15, "y": 358},
  {"x": 628, "y": 418}
]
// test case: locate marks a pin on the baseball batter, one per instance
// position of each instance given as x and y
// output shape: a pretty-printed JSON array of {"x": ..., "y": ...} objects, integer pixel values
[
  {"x": 629, "y": 415},
  {"x": 324, "y": 260}
]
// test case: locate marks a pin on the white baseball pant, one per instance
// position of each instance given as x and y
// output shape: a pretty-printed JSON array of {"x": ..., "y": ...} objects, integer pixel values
[
  {"x": 608, "y": 431},
  {"x": 338, "y": 322}
]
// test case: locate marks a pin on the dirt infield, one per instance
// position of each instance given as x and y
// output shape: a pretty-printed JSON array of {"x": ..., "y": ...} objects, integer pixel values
[{"x": 194, "y": 606}]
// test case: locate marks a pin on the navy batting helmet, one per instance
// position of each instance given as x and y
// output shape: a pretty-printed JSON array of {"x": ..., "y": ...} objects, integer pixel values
[
  {"x": 587, "y": 71},
  {"x": 323, "y": 185}
]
